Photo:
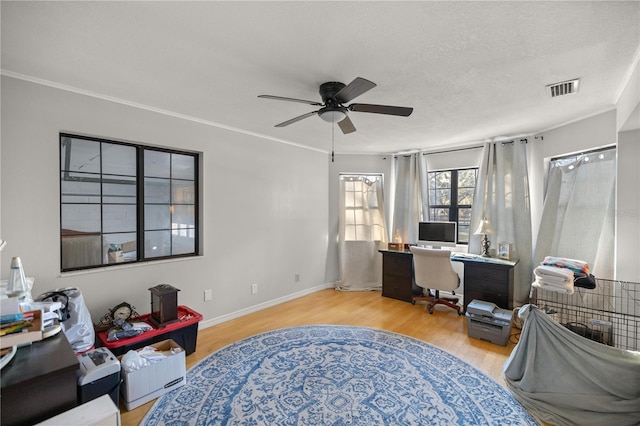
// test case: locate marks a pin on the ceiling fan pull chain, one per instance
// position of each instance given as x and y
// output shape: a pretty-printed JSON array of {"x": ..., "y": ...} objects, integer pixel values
[{"x": 333, "y": 128}]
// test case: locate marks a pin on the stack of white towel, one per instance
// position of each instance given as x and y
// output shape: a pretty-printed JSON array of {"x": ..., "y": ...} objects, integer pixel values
[{"x": 554, "y": 279}]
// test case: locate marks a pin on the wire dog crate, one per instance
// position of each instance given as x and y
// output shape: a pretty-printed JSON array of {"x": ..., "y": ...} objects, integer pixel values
[{"x": 609, "y": 313}]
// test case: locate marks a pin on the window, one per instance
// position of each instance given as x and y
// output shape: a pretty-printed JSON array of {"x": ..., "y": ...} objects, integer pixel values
[
  {"x": 362, "y": 208},
  {"x": 577, "y": 218},
  {"x": 122, "y": 202},
  {"x": 450, "y": 198}
]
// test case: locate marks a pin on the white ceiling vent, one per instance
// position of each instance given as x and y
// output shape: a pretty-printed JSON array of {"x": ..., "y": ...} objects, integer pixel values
[{"x": 563, "y": 88}]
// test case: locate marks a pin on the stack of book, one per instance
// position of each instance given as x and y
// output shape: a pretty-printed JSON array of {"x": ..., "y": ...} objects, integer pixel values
[{"x": 20, "y": 328}]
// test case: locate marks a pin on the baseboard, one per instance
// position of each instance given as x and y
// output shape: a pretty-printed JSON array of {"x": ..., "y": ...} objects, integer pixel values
[{"x": 251, "y": 309}]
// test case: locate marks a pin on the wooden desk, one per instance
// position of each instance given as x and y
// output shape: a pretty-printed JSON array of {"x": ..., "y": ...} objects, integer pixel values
[
  {"x": 487, "y": 279},
  {"x": 397, "y": 275},
  {"x": 39, "y": 382}
]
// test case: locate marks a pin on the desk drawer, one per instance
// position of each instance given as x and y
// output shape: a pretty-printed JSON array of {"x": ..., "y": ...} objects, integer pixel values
[
  {"x": 485, "y": 273},
  {"x": 486, "y": 286},
  {"x": 488, "y": 291},
  {"x": 398, "y": 266},
  {"x": 397, "y": 288}
]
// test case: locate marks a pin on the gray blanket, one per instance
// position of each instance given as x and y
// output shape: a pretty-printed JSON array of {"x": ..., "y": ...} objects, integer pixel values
[{"x": 565, "y": 379}]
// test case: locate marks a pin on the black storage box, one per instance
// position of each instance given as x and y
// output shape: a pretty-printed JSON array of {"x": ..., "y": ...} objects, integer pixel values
[
  {"x": 184, "y": 332},
  {"x": 186, "y": 337}
]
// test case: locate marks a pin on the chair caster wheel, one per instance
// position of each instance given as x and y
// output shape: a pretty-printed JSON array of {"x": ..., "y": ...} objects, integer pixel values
[
  {"x": 413, "y": 302},
  {"x": 459, "y": 313},
  {"x": 431, "y": 311}
]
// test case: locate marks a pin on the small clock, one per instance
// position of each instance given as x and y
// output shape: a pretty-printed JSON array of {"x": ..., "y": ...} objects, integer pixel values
[{"x": 122, "y": 311}]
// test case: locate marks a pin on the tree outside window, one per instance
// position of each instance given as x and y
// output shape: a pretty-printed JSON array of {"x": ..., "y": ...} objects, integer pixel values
[{"x": 451, "y": 198}]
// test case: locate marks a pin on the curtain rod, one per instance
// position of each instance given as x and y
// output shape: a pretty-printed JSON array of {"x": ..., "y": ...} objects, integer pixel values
[
  {"x": 461, "y": 149},
  {"x": 521, "y": 140},
  {"x": 442, "y": 152},
  {"x": 453, "y": 150},
  {"x": 587, "y": 152},
  {"x": 470, "y": 147}
]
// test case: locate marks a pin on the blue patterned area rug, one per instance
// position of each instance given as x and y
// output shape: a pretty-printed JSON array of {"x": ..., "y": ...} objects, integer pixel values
[{"x": 336, "y": 375}]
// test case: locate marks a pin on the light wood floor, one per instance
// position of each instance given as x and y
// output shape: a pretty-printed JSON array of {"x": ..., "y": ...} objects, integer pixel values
[{"x": 444, "y": 329}]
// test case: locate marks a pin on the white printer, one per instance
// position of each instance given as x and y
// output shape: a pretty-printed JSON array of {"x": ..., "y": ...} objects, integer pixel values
[
  {"x": 99, "y": 374},
  {"x": 486, "y": 321}
]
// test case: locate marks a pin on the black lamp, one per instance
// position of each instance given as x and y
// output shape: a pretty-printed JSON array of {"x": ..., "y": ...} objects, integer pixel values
[{"x": 164, "y": 305}]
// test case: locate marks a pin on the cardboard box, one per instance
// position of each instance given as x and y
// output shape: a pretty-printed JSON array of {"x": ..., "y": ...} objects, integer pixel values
[
  {"x": 129, "y": 246},
  {"x": 116, "y": 256},
  {"x": 30, "y": 334},
  {"x": 160, "y": 377},
  {"x": 98, "y": 412}
]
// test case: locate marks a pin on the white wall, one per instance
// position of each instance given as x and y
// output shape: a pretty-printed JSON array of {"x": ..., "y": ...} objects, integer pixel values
[
  {"x": 593, "y": 132},
  {"x": 455, "y": 159},
  {"x": 265, "y": 206},
  {"x": 629, "y": 98},
  {"x": 628, "y": 207},
  {"x": 628, "y": 179}
]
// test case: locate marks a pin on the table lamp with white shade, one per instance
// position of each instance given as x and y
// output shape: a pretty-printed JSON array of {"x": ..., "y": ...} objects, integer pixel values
[{"x": 485, "y": 229}]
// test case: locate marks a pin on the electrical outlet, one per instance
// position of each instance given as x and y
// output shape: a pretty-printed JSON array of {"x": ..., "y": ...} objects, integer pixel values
[
  {"x": 297, "y": 278},
  {"x": 254, "y": 288},
  {"x": 208, "y": 295}
]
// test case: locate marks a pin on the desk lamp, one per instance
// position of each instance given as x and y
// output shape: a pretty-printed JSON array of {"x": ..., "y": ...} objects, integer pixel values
[{"x": 484, "y": 229}]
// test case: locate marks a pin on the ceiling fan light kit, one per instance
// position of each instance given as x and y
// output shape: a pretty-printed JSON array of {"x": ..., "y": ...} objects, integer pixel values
[
  {"x": 333, "y": 115},
  {"x": 334, "y": 97}
]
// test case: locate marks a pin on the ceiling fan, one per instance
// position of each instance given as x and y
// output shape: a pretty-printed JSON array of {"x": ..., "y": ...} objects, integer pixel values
[{"x": 334, "y": 97}]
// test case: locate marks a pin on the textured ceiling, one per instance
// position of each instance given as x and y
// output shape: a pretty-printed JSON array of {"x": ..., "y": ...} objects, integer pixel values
[{"x": 472, "y": 71}]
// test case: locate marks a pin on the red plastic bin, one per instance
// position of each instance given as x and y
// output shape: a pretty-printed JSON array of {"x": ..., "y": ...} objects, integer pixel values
[{"x": 184, "y": 332}]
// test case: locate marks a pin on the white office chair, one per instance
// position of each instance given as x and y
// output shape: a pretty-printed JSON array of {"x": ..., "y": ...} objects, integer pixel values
[{"x": 433, "y": 271}]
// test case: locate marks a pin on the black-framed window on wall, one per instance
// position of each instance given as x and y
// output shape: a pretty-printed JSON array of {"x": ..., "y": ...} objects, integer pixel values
[
  {"x": 451, "y": 198},
  {"x": 122, "y": 202}
]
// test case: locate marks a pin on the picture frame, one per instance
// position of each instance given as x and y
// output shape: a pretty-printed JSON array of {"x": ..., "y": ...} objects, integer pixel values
[{"x": 505, "y": 251}]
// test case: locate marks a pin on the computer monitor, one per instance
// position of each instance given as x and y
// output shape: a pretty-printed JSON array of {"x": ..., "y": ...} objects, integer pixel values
[{"x": 437, "y": 234}]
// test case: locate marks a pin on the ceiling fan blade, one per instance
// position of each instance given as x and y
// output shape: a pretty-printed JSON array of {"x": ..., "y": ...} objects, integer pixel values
[
  {"x": 346, "y": 125},
  {"x": 293, "y": 120},
  {"x": 381, "y": 109},
  {"x": 281, "y": 98},
  {"x": 354, "y": 89}
]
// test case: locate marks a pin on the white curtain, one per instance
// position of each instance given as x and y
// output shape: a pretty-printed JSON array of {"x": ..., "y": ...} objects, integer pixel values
[
  {"x": 411, "y": 196},
  {"x": 361, "y": 230},
  {"x": 577, "y": 218},
  {"x": 502, "y": 196}
]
